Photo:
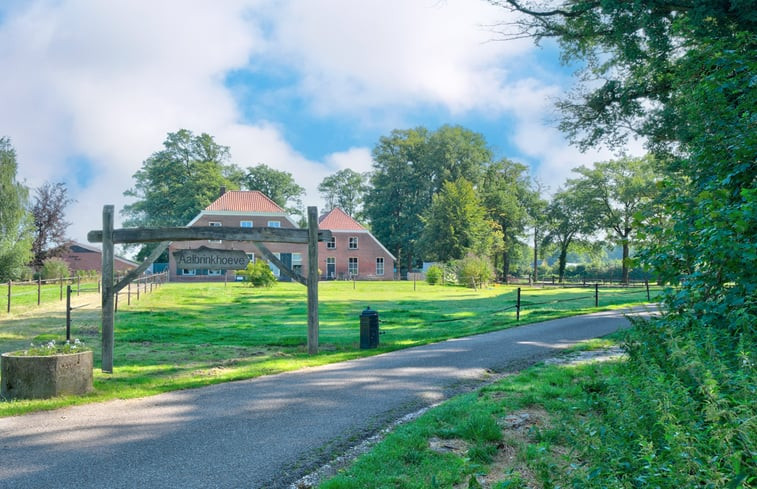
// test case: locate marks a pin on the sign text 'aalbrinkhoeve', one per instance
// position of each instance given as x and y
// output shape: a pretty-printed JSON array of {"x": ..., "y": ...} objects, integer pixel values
[{"x": 211, "y": 258}]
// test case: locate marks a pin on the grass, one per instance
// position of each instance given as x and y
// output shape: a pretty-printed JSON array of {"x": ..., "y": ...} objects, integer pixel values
[
  {"x": 24, "y": 296},
  {"x": 515, "y": 433},
  {"x": 190, "y": 335}
]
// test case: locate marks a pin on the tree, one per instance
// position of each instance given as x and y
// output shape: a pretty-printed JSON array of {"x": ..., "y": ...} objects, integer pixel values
[
  {"x": 455, "y": 224},
  {"x": 409, "y": 167},
  {"x": 345, "y": 189},
  {"x": 565, "y": 222},
  {"x": 278, "y": 185},
  {"x": 50, "y": 226},
  {"x": 15, "y": 220},
  {"x": 177, "y": 182},
  {"x": 617, "y": 196},
  {"x": 505, "y": 193}
]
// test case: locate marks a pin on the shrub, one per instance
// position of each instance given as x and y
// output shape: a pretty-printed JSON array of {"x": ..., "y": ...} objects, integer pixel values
[
  {"x": 434, "y": 275},
  {"x": 54, "y": 268},
  {"x": 473, "y": 271},
  {"x": 259, "y": 274}
]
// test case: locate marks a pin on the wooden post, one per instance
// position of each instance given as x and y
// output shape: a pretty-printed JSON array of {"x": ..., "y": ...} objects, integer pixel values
[
  {"x": 128, "y": 294},
  {"x": 68, "y": 313},
  {"x": 646, "y": 283},
  {"x": 61, "y": 287},
  {"x": 312, "y": 280},
  {"x": 10, "y": 285},
  {"x": 137, "y": 289},
  {"x": 596, "y": 295},
  {"x": 39, "y": 290},
  {"x": 517, "y": 307},
  {"x": 108, "y": 302}
]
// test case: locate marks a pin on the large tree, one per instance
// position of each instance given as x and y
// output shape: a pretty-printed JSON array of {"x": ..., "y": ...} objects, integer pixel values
[
  {"x": 410, "y": 166},
  {"x": 50, "y": 225},
  {"x": 345, "y": 189},
  {"x": 278, "y": 185},
  {"x": 565, "y": 222},
  {"x": 617, "y": 196},
  {"x": 506, "y": 192},
  {"x": 177, "y": 182},
  {"x": 15, "y": 220},
  {"x": 456, "y": 224}
]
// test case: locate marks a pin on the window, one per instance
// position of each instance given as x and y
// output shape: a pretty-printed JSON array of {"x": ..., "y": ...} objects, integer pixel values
[
  {"x": 214, "y": 224},
  {"x": 274, "y": 224},
  {"x": 331, "y": 243},
  {"x": 251, "y": 256},
  {"x": 215, "y": 273},
  {"x": 273, "y": 267},
  {"x": 188, "y": 271},
  {"x": 380, "y": 266},
  {"x": 331, "y": 267},
  {"x": 245, "y": 224},
  {"x": 297, "y": 262},
  {"x": 352, "y": 266},
  {"x": 353, "y": 243}
]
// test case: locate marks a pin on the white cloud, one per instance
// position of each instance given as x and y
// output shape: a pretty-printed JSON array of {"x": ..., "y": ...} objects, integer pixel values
[{"x": 106, "y": 81}]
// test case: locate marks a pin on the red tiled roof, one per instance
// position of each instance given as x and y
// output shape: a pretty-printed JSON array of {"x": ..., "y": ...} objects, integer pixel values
[
  {"x": 339, "y": 220},
  {"x": 244, "y": 201}
]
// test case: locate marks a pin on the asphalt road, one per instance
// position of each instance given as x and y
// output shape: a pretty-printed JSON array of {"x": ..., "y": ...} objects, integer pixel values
[{"x": 265, "y": 432}]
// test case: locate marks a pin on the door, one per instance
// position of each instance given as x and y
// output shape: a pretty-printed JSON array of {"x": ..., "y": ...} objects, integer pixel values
[{"x": 286, "y": 259}]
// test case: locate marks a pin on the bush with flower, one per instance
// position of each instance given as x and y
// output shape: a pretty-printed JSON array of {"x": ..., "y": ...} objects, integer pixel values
[{"x": 51, "y": 348}]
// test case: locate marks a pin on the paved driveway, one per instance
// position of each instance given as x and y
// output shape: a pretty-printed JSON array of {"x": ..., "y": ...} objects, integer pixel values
[{"x": 264, "y": 432}]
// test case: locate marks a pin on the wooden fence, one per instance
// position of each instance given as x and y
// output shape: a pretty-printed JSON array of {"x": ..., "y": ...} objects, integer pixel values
[{"x": 24, "y": 294}]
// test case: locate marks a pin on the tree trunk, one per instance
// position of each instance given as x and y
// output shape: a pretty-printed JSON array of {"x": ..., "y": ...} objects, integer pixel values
[
  {"x": 625, "y": 262},
  {"x": 563, "y": 259},
  {"x": 536, "y": 248},
  {"x": 506, "y": 265}
]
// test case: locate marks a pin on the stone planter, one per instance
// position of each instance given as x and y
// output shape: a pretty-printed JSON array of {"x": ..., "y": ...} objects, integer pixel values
[{"x": 29, "y": 377}]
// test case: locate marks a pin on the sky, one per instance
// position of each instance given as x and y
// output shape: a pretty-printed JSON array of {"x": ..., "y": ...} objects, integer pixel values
[{"x": 90, "y": 89}]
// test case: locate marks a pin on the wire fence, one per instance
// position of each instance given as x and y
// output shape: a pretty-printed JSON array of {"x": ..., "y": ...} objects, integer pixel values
[{"x": 23, "y": 295}]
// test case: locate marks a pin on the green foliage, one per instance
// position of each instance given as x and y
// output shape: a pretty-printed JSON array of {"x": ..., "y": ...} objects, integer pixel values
[
  {"x": 278, "y": 185},
  {"x": 564, "y": 223},
  {"x": 54, "y": 268},
  {"x": 434, "y": 274},
  {"x": 345, "y": 189},
  {"x": 456, "y": 224},
  {"x": 51, "y": 348},
  {"x": 474, "y": 271},
  {"x": 410, "y": 166},
  {"x": 15, "y": 221},
  {"x": 506, "y": 193},
  {"x": 259, "y": 274}
]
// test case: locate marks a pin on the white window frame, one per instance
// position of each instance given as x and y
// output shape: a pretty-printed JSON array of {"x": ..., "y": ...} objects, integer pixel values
[
  {"x": 189, "y": 271},
  {"x": 380, "y": 260},
  {"x": 215, "y": 273},
  {"x": 331, "y": 243},
  {"x": 245, "y": 224},
  {"x": 352, "y": 243},
  {"x": 274, "y": 224},
  {"x": 349, "y": 265},
  {"x": 251, "y": 256}
]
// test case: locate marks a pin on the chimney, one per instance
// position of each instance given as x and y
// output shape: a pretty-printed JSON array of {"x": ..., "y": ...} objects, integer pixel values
[{"x": 223, "y": 191}]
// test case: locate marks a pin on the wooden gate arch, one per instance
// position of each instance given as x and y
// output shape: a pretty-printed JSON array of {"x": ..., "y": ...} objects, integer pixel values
[{"x": 109, "y": 237}]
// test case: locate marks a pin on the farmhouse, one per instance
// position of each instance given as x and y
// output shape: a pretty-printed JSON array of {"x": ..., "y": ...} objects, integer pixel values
[
  {"x": 87, "y": 258},
  {"x": 353, "y": 251}
]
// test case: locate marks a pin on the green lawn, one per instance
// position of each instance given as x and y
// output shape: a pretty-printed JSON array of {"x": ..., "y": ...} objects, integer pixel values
[{"x": 189, "y": 335}]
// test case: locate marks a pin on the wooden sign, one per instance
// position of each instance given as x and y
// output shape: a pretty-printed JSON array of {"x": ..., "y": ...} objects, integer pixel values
[{"x": 210, "y": 258}]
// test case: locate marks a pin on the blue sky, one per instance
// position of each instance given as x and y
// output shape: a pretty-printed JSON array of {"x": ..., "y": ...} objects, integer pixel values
[{"x": 89, "y": 89}]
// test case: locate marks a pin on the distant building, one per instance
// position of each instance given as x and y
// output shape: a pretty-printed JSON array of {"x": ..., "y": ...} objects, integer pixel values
[
  {"x": 352, "y": 251},
  {"x": 85, "y": 257}
]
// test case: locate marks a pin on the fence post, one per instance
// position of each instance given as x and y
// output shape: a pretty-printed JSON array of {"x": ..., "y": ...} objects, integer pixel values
[
  {"x": 517, "y": 307},
  {"x": 61, "y": 287},
  {"x": 9, "y": 295},
  {"x": 137, "y": 289},
  {"x": 596, "y": 295},
  {"x": 115, "y": 301},
  {"x": 39, "y": 290},
  {"x": 68, "y": 313},
  {"x": 646, "y": 283}
]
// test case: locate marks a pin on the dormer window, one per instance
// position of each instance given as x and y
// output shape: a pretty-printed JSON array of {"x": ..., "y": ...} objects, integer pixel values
[{"x": 352, "y": 243}]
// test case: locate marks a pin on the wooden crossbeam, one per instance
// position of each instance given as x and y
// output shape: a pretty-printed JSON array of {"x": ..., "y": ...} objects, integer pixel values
[{"x": 265, "y": 234}]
